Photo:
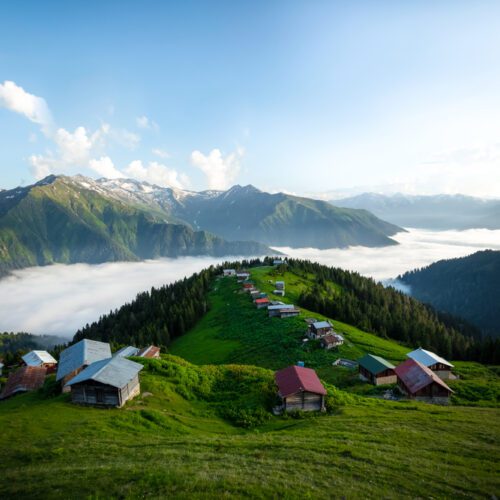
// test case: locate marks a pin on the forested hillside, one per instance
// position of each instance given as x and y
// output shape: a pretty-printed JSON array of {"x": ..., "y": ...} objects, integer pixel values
[
  {"x": 164, "y": 314},
  {"x": 468, "y": 287}
]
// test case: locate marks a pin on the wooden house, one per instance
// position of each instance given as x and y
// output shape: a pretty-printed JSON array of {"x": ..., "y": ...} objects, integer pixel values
[
  {"x": 419, "y": 382},
  {"x": 376, "y": 370},
  {"x": 107, "y": 383},
  {"x": 254, "y": 294},
  {"x": 280, "y": 285},
  {"x": 40, "y": 358},
  {"x": 262, "y": 303},
  {"x": 229, "y": 272},
  {"x": 275, "y": 310},
  {"x": 1, "y": 368},
  {"x": 151, "y": 352},
  {"x": 289, "y": 312},
  {"x": 78, "y": 356},
  {"x": 280, "y": 293},
  {"x": 437, "y": 364},
  {"x": 319, "y": 329},
  {"x": 248, "y": 286},
  {"x": 278, "y": 262},
  {"x": 242, "y": 276},
  {"x": 25, "y": 379},
  {"x": 332, "y": 340},
  {"x": 300, "y": 389}
]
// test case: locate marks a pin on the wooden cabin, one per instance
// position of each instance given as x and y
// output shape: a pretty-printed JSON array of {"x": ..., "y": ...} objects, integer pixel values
[
  {"x": 25, "y": 379},
  {"x": 319, "y": 329},
  {"x": 106, "y": 383},
  {"x": 282, "y": 310},
  {"x": 40, "y": 358},
  {"x": 151, "y": 352},
  {"x": 331, "y": 341},
  {"x": 77, "y": 357},
  {"x": 261, "y": 303},
  {"x": 289, "y": 312},
  {"x": 279, "y": 293},
  {"x": 242, "y": 276},
  {"x": 437, "y": 364},
  {"x": 300, "y": 389},
  {"x": 376, "y": 370},
  {"x": 419, "y": 382},
  {"x": 280, "y": 285},
  {"x": 229, "y": 272}
]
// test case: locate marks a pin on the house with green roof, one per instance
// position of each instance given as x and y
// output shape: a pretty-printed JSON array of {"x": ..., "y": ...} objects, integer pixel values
[{"x": 376, "y": 370}]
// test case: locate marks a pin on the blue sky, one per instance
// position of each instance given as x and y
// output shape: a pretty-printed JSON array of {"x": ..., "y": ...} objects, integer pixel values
[{"x": 309, "y": 97}]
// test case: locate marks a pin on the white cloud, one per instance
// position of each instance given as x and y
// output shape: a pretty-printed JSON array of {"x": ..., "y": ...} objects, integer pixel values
[
  {"x": 105, "y": 168},
  {"x": 220, "y": 171},
  {"x": 34, "y": 108},
  {"x": 125, "y": 138},
  {"x": 160, "y": 153},
  {"x": 158, "y": 174},
  {"x": 145, "y": 123}
]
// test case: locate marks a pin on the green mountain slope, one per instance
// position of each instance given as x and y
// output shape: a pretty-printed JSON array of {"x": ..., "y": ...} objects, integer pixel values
[
  {"x": 58, "y": 220},
  {"x": 468, "y": 287},
  {"x": 206, "y": 432},
  {"x": 284, "y": 220}
]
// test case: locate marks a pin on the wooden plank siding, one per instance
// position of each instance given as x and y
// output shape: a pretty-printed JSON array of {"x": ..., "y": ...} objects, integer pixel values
[
  {"x": 304, "y": 401},
  {"x": 97, "y": 394}
]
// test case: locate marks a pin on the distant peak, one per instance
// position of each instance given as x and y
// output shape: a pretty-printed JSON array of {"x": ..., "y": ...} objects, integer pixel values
[
  {"x": 237, "y": 188},
  {"x": 50, "y": 179}
]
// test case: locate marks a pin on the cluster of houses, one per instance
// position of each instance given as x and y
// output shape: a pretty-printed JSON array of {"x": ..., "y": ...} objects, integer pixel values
[
  {"x": 275, "y": 308},
  {"x": 421, "y": 377},
  {"x": 87, "y": 370},
  {"x": 324, "y": 332}
]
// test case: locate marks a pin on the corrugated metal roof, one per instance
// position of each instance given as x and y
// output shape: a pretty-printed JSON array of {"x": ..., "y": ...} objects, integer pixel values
[
  {"x": 262, "y": 301},
  {"x": 125, "y": 352},
  {"x": 149, "y": 352},
  {"x": 116, "y": 372},
  {"x": 374, "y": 364},
  {"x": 82, "y": 353},
  {"x": 279, "y": 307},
  {"x": 322, "y": 324},
  {"x": 296, "y": 379},
  {"x": 38, "y": 358},
  {"x": 427, "y": 358},
  {"x": 27, "y": 378},
  {"x": 416, "y": 376}
]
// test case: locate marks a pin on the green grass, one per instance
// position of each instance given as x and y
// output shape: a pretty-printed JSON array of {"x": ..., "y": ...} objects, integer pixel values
[
  {"x": 182, "y": 441},
  {"x": 234, "y": 331}
]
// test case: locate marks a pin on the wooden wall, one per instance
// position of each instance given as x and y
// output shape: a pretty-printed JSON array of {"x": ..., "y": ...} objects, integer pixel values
[{"x": 304, "y": 401}]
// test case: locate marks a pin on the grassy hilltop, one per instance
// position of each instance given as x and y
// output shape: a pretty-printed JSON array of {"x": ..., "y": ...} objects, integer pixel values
[{"x": 203, "y": 428}]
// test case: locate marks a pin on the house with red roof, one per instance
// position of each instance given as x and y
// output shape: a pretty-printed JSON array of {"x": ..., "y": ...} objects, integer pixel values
[
  {"x": 25, "y": 379},
  {"x": 300, "y": 389},
  {"x": 151, "y": 351},
  {"x": 262, "y": 303},
  {"x": 419, "y": 382}
]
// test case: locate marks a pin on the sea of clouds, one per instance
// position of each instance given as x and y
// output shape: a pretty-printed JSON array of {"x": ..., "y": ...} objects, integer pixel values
[{"x": 59, "y": 299}]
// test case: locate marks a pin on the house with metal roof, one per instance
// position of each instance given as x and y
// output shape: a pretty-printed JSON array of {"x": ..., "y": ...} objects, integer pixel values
[
  {"x": 40, "y": 358},
  {"x": 1, "y": 367},
  {"x": 331, "y": 341},
  {"x": 300, "y": 389},
  {"x": 108, "y": 383},
  {"x": 25, "y": 379},
  {"x": 437, "y": 364},
  {"x": 319, "y": 329},
  {"x": 280, "y": 285},
  {"x": 262, "y": 303},
  {"x": 376, "y": 370},
  {"x": 78, "y": 356},
  {"x": 126, "y": 352},
  {"x": 419, "y": 382},
  {"x": 149, "y": 352},
  {"x": 229, "y": 272},
  {"x": 277, "y": 309}
]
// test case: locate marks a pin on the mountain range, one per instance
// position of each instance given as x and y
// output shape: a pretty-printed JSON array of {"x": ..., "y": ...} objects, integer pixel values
[
  {"x": 438, "y": 212},
  {"x": 78, "y": 219}
]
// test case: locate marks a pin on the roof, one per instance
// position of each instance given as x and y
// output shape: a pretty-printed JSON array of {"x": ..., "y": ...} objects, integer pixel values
[
  {"x": 416, "y": 376},
  {"x": 82, "y": 353},
  {"x": 149, "y": 352},
  {"x": 262, "y": 301},
  {"x": 243, "y": 273},
  {"x": 322, "y": 324},
  {"x": 38, "y": 358},
  {"x": 116, "y": 372},
  {"x": 127, "y": 351},
  {"x": 280, "y": 283},
  {"x": 27, "y": 378},
  {"x": 280, "y": 307},
  {"x": 298, "y": 379},
  {"x": 375, "y": 364},
  {"x": 333, "y": 339},
  {"x": 427, "y": 358}
]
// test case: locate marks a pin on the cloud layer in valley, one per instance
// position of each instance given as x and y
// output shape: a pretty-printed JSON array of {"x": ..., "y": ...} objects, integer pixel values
[{"x": 59, "y": 299}]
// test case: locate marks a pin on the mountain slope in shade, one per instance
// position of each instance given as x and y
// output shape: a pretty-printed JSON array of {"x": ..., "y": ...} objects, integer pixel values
[
  {"x": 283, "y": 220},
  {"x": 60, "y": 220},
  {"x": 468, "y": 287},
  {"x": 429, "y": 212}
]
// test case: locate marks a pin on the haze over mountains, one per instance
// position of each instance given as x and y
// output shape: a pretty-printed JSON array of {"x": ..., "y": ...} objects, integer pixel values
[
  {"x": 78, "y": 219},
  {"x": 439, "y": 212}
]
